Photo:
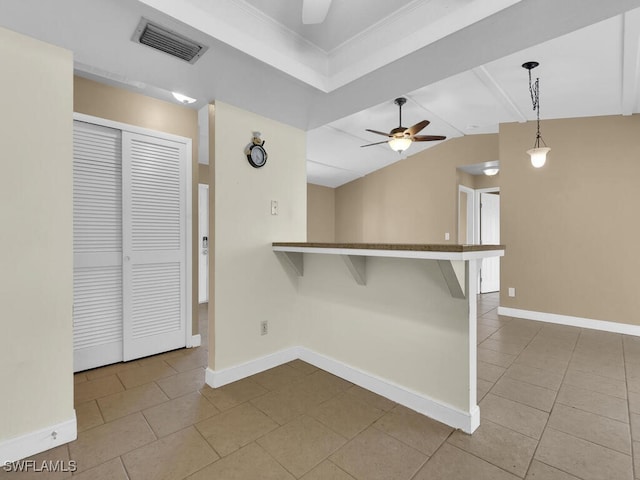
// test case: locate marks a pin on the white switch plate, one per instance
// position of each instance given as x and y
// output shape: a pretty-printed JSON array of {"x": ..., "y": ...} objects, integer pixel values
[
  {"x": 274, "y": 207},
  {"x": 446, "y": 236},
  {"x": 512, "y": 292}
]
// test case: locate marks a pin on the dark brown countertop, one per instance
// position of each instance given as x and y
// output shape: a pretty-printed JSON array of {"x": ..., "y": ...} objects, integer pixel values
[{"x": 415, "y": 247}]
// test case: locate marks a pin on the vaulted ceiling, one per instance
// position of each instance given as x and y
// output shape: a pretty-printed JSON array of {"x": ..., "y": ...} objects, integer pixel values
[{"x": 457, "y": 62}]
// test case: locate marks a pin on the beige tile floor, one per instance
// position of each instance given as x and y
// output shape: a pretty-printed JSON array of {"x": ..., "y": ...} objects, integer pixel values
[{"x": 557, "y": 403}]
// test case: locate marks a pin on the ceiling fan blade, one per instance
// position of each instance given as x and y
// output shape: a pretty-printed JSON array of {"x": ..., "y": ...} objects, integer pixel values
[
  {"x": 314, "y": 11},
  {"x": 417, "y": 127},
  {"x": 371, "y": 144},
  {"x": 427, "y": 138},
  {"x": 379, "y": 133}
]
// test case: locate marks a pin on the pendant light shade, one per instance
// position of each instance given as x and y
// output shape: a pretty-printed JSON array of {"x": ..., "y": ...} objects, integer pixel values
[{"x": 538, "y": 156}]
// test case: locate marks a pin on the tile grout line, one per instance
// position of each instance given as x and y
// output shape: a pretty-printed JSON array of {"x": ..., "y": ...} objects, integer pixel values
[
  {"x": 124, "y": 466},
  {"x": 546, "y": 425},
  {"x": 549, "y": 416},
  {"x": 220, "y": 457},
  {"x": 626, "y": 384},
  {"x": 339, "y": 467},
  {"x": 505, "y": 370},
  {"x": 446, "y": 440}
]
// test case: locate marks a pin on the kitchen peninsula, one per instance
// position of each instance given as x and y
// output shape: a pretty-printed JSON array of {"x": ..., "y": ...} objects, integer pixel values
[{"x": 396, "y": 319}]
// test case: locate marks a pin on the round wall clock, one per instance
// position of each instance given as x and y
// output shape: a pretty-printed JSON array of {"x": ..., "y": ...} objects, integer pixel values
[{"x": 255, "y": 152}]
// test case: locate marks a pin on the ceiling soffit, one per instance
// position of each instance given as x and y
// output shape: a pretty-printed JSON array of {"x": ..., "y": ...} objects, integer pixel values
[{"x": 417, "y": 24}]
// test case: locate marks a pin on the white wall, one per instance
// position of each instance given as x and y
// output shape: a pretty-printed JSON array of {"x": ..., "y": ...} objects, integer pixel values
[
  {"x": 250, "y": 283},
  {"x": 36, "y": 256}
]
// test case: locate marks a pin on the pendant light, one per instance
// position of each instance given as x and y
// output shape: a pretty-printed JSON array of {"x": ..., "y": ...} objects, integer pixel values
[{"x": 538, "y": 153}]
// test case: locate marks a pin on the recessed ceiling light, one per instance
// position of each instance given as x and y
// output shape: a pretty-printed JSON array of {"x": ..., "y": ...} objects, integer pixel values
[{"x": 183, "y": 98}]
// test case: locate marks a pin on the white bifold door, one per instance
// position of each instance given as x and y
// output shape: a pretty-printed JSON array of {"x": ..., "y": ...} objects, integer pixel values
[
  {"x": 129, "y": 245},
  {"x": 97, "y": 246}
]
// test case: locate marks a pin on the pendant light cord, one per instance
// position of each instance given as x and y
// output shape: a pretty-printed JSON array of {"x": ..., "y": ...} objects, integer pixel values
[{"x": 534, "y": 90}]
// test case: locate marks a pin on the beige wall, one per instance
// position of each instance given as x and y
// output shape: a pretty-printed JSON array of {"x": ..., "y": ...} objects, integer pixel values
[
  {"x": 36, "y": 243},
  {"x": 466, "y": 179},
  {"x": 250, "y": 283},
  {"x": 414, "y": 200},
  {"x": 485, "y": 181},
  {"x": 349, "y": 212},
  {"x": 321, "y": 209},
  {"x": 98, "y": 100},
  {"x": 570, "y": 227}
]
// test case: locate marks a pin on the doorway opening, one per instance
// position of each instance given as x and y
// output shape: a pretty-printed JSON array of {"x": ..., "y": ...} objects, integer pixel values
[
  {"x": 487, "y": 232},
  {"x": 466, "y": 215}
]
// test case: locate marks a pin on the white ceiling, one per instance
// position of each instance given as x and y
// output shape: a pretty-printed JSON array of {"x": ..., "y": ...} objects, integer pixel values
[
  {"x": 344, "y": 21},
  {"x": 583, "y": 73},
  {"x": 457, "y": 61}
]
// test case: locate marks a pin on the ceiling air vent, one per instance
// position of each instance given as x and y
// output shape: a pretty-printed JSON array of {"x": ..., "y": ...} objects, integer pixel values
[{"x": 168, "y": 41}]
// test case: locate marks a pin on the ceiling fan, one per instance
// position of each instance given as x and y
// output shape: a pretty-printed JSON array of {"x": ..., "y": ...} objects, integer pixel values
[
  {"x": 314, "y": 11},
  {"x": 401, "y": 138}
]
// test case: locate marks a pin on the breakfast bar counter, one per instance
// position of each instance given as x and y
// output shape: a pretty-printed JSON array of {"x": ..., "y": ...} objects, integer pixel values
[{"x": 399, "y": 320}]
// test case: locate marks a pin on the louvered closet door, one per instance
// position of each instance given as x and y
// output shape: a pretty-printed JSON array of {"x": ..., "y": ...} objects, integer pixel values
[
  {"x": 97, "y": 244},
  {"x": 154, "y": 235}
]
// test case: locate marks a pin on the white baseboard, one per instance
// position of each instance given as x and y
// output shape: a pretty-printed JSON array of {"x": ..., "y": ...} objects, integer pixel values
[
  {"x": 196, "y": 340},
  {"x": 603, "y": 325},
  {"x": 437, "y": 410},
  {"x": 466, "y": 421},
  {"x": 218, "y": 378},
  {"x": 41, "y": 440}
]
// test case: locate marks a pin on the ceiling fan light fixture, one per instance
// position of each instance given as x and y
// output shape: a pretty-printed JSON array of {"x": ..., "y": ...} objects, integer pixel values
[
  {"x": 399, "y": 144},
  {"x": 401, "y": 138},
  {"x": 538, "y": 156},
  {"x": 491, "y": 171}
]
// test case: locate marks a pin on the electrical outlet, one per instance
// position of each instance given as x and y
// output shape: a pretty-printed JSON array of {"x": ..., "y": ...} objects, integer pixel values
[
  {"x": 512, "y": 292},
  {"x": 274, "y": 207},
  {"x": 446, "y": 236},
  {"x": 264, "y": 327}
]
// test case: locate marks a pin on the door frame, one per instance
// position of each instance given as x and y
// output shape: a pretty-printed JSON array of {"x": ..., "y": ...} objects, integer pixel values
[
  {"x": 200, "y": 246},
  {"x": 189, "y": 200},
  {"x": 471, "y": 213}
]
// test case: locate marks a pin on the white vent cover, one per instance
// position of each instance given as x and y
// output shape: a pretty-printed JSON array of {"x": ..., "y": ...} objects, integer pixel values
[{"x": 168, "y": 41}]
